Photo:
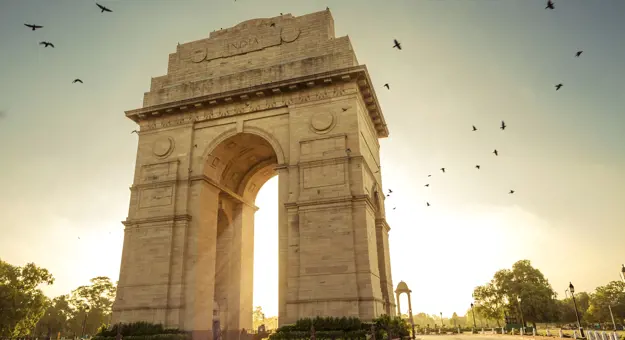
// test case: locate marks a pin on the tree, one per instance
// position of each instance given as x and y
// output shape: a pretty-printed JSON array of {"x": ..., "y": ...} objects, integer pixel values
[
  {"x": 21, "y": 302},
  {"x": 489, "y": 302},
  {"x": 522, "y": 291},
  {"x": 91, "y": 305},
  {"x": 454, "y": 320},
  {"x": 613, "y": 295},
  {"x": 55, "y": 318},
  {"x": 258, "y": 317}
]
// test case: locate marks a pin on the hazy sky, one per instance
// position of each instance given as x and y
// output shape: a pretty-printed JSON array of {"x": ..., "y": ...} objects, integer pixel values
[{"x": 67, "y": 155}]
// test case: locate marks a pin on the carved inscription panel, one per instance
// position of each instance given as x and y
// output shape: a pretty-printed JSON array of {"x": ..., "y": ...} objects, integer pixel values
[
  {"x": 253, "y": 106},
  {"x": 156, "y": 197}
]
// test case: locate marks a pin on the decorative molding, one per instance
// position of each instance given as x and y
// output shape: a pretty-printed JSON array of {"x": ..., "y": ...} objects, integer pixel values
[
  {"x": 342, "y": 299},
  {"x": 170, "y": 218},
  {"x": 196, "y": 111}
]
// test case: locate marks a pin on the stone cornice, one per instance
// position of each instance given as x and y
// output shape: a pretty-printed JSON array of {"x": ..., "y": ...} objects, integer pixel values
[
  {"x": 357, "y": 73},
  {"x": 381, "y": 222},
  {"x": 170, "y": 218}
]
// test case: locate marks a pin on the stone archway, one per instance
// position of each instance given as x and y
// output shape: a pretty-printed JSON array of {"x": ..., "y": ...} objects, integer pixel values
[{"x": 291, "y": 101}]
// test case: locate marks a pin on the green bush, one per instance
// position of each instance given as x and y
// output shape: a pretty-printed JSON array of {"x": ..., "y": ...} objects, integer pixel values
[
  {"x": 141, "y": 328},
  {"x": 147, "y": 337}
]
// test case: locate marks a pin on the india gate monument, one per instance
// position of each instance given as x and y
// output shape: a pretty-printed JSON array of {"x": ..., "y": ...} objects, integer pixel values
[{"x": 274, "y": 96}]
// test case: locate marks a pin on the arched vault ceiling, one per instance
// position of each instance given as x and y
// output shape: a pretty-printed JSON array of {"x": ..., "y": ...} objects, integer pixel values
[{"x": 242, "y": 163}]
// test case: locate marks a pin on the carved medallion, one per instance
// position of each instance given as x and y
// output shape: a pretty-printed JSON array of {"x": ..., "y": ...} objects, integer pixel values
[
  {"x": 198, "y": 55},
  {"x": 322, "y": 122},
  {"x": 163, "y": 146},
  {"x": 289, "y": 34}
]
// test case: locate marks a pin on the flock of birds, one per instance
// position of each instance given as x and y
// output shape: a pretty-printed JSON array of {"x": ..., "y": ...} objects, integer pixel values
[
  {"x": 397, "y": 45},
  {"x": 49, "y": 44}
]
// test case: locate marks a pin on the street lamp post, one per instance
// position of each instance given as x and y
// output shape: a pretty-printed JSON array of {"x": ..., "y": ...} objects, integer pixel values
[
  {"x": 518, "y": 300},
  {"x": 623, "y": 273},
  {"x": 84, "y": 322},
  {"x": 612, "y": 316},
  {"x": 579, "y": 325},
  {"x": 442, "y": 320},
  {"x": 473, "y": 312}
]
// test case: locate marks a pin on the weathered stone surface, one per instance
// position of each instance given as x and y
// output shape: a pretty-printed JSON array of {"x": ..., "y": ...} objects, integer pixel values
[{"x": 248, "y": 103}]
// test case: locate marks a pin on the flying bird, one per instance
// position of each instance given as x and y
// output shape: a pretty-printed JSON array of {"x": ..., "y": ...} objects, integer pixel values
[
  {"x": 397, "y": 44},
  {"x": 33, "y": 27},
  {"x": 46, "y": 44},
  {"x": 503, "y": 125},
  {"x": 443, "y": 169},
  {"x": 429, "y": 175},
  {"x": 345, "y": 109},
  {"x": 549, "y": 5},
  {"x": 273, "y": 24},
  {"x": 558, "y": 86},
  {"x": 387, "y": 86},
  {"x": 390, "y": 191},
  {"x": 579, "y": 53},
  {"x": 511, "y": 192},
  {"x": 427, "y": 203},
  {"x": 394, "y": 208},
  {"x": 477, "y": 167},
  {"x": 104, "y": 9},
  {"x": 134, "y": 131},
  {"x": 77, "y": 81},
  {"x": 427, "y": 185},
  {"x": 474, "y": 128},
  {"x": 496, "y": 153}
]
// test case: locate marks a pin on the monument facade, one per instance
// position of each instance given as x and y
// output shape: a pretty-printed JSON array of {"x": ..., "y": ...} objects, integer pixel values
[{"x": 278, "y": 96}]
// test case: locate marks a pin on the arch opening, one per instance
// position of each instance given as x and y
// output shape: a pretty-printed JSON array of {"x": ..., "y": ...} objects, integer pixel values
[{"x": 240, "y": 165}]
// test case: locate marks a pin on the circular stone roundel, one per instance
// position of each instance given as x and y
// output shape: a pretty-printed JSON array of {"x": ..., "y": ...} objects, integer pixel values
[
  {"x": 198, "y": 55},
  {"x": 322, "y": 121},
  {"x": 289, "y": 34},
  {"x": 163, "y": 146}
]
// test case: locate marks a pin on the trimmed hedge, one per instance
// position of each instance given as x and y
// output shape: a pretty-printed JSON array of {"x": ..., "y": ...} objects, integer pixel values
[
  {"x": 141, "y": 331},
  {"x": 331, "y": 328},
  {"x": 147, "y": 337}
]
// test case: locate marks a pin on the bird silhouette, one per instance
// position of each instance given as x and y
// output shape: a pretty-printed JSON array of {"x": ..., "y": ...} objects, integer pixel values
[
  {"x": 77, "y": 81},
  {"x": 558, "y": 86},
  {"x": 327, "y": 8},
  {"x": 46, "y": 44},
  {"x": 104, "y": 9},
  {"x": 390, "y": 191},
  {"x": 387, "y": 86},
  {"x": 549, "y": 5},
  {"x": 427, "y": 185},
  {"x": 579, "y": 53},
  {"x": 273, "y": 24},
  {"x": 503, "y": 125},
  {"x": 511, "y": 192},
  {"x": 443, "y": 169},
  {"x": 496, "y": 153},
  {"x": 33, "y": 27},
  {"x": 134, "y": 131},
  {"x": 394, "y": 208},
  {"x": 427, "y": 203},
  {"x": 345, "y": 109},
  {"x": 397, "y": 45},
  {"x": 474, "y": 128},
  {"x": 477, "y": 167},
  {"x": 429, "y": 175}
]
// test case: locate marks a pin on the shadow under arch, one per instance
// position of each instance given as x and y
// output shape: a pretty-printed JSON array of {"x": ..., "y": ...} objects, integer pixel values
[
  {"x": 238, "y": 164},
  {"x": 251, "y": 130}
]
